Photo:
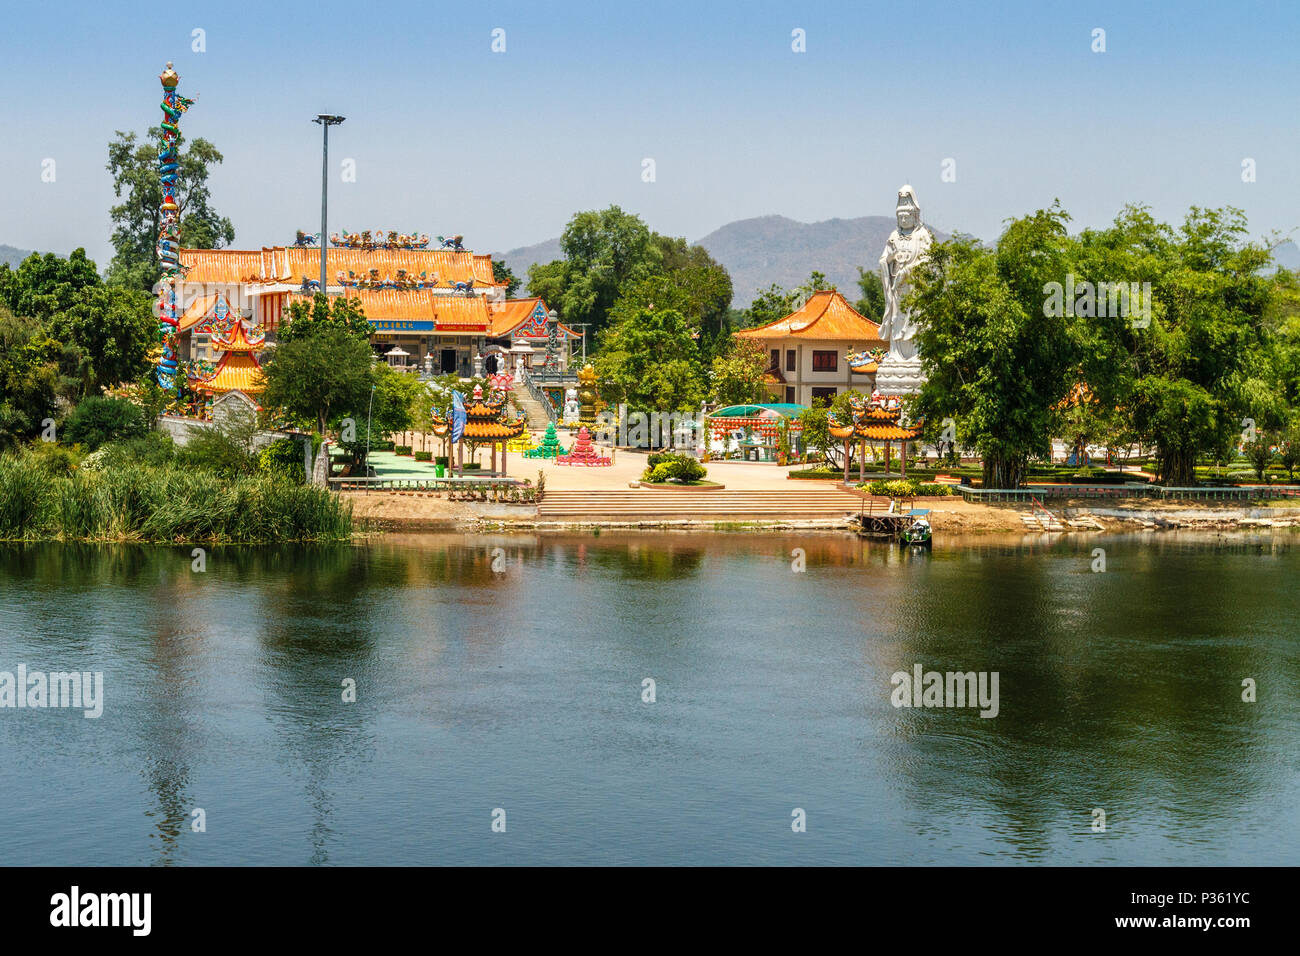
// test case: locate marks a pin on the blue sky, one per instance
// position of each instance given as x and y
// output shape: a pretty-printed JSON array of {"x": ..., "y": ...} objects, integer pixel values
[{"x": 449, "y": 137}]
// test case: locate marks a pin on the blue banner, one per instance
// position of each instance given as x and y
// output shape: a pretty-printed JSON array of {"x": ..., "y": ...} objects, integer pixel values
[{"x": 457, "y": 416}]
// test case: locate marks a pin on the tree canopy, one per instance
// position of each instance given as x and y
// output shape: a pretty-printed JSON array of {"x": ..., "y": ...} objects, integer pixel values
[{"x": 133, "y": 164}]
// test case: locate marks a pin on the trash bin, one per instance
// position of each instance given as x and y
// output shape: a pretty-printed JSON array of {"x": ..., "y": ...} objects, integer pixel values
[{"x": 439, "y": 471}]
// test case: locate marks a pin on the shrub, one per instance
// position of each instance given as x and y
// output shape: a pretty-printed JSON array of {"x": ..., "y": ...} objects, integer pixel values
[
  {"x": 283, "y": 460},
  {"x": 472, "y": 465},
  {"x": 153, "y": 448},
  {"x": 217, "y": 451},
  {"x": 99, "y": 419},
  {"x": 894, "y": 488},
  {"x": 934, "y": 490},
  {"x": 53, "y": 461},
  {"x": 670, "y": 466},
  {"x": 402, "y": 449},
  {"x": 424, "y": 456},
  {"x": 442, "y": 460}
]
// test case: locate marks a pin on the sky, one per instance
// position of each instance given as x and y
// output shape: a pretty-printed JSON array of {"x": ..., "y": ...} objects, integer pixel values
[{"x": 447, "y": 136}]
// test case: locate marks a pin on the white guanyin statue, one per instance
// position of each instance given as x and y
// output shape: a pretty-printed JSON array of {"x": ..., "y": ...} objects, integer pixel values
[
  {"x": 572, "y": 410},
  {"x": 899, "y": 372}
]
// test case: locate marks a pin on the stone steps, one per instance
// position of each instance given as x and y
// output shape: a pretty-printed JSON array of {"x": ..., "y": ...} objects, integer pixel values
[{"x": 810, "y": 503}]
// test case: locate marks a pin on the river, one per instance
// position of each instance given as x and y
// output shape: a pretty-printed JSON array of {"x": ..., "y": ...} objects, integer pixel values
[{"x": 505, "y": 679}]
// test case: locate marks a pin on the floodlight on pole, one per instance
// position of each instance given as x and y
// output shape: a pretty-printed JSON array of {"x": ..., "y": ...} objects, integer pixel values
[{"x": 326, "y": 120}]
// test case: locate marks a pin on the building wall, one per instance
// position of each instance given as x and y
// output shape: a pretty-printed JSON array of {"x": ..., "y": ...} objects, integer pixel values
[{"x": 804, "y": 378}]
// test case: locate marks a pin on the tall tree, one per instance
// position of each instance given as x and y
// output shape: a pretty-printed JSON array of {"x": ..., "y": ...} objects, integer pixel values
[
  {"x": 651, "y": 361},
  {"x": 134, "y": 166},
  {"x": 45, "y": 284},
  {"x": 994, "y": 361},
  {"x": 603, "y": 250},
  {"x": 113, "y": 330},
  {"x": 315, "y": 377},
  {"x": 737, "y": 374}
]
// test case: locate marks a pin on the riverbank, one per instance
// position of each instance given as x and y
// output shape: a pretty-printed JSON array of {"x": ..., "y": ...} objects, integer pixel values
[{"x": 408, "y": 513}]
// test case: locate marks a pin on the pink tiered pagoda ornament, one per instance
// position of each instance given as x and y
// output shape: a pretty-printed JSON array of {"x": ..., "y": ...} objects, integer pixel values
[{"x": 583, "y": 453}]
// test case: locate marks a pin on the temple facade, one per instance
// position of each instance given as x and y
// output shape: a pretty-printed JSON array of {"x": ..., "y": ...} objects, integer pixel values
[{"x": 821, "y": 349}]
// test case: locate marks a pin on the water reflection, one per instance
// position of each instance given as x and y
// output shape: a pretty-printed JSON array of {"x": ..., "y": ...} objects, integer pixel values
[{"x": 509, "y": 669}]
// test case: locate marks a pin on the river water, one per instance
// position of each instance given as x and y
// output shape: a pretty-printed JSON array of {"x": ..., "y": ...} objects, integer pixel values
[{"x": 509, "y": 674}]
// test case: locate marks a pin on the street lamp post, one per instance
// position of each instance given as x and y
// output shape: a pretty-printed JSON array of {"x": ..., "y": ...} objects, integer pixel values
[{"x": 325, "y": 120}]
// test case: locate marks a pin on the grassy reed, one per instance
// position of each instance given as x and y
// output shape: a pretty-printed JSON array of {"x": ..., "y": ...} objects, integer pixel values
[{"x": 162, "y": 504}]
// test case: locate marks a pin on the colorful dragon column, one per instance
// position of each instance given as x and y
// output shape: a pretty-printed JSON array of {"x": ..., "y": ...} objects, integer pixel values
[{"x": 169, "y": 234}]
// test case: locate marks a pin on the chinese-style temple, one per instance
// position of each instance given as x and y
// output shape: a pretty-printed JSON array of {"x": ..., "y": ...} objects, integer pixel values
[
  {"x": 821, "y": 349},
  {"x": 441, "y": 307},
  {"x": 878, "y": 420},
  {"x": 485, "y": 424}
]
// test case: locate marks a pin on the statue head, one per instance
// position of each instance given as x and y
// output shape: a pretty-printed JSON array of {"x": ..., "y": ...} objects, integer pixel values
[{"x": 908, "y": 211}]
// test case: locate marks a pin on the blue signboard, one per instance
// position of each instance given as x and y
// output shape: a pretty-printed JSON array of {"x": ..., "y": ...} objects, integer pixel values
[{"x": 402, "y": 325}]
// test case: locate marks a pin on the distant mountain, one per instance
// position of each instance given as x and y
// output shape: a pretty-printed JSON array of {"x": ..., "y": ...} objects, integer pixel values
[
  {"x": 758, "y": 252},
  {"x": 518, "y": 260},
  {"x": 13, "y": 256},
  {"x": 1287, "y": 256},
  {"x": 767, "y": 249}
]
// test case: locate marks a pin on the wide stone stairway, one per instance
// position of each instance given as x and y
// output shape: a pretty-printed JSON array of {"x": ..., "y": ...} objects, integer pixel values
[{"x": 815, "y": 501}]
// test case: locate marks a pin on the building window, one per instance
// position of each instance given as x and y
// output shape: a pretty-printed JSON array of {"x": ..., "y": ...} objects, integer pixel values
[
  {"x": 776, "y": 359},
  {"x": 789, "y": 360},
  {"x": 826, "y": 361},
  {"x": 825, "y": 394},
  {"x": 789, "y": 394}
]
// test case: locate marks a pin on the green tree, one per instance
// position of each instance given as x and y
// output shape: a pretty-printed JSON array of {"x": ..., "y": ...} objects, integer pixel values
[
  {"x": 650, "y": 361},
  {"x": 872, "y": 303},
  {"x": 1190, "y": 369},
  {"x": 113, "y": 329},
  {"x": 99, "y": 419},
  {"x": 28, "y": 377},
  {"x": 390, "y": 409},
  {"x": 43, "y": 285},
  {"x": 774, "y": 302},
  {"x": 501, "y": 273},
  {"x": 312, "y": 377},
  {"x": 603, "y": 250},
  {"x": 136, "y": 219},
  {"x": 737, "y": 374},
  {"x": 306, "y": 320},
  {"x": 994, "y": 361}
]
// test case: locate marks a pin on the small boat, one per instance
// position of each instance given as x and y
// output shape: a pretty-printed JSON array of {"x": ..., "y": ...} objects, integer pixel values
[{"x": 917, "y": 533}]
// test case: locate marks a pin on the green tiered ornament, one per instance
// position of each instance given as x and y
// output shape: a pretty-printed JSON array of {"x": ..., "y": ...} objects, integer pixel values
[{"x": 550, "y": 446}]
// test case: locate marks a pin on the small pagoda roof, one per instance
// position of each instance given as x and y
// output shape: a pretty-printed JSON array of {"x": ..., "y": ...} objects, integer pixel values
[{"x": 236, "y": 371}]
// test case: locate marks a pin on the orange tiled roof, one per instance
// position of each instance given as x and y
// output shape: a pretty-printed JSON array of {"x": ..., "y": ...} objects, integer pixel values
[
  {"x": 236, "y": 370},
  {"x": 826, "y": 315},
  {"x": 197, "y": 310},
  {"x": 469, "y": 312},
  {"x": 512, "y": 313},
  {"x": 288, "y": 264}
]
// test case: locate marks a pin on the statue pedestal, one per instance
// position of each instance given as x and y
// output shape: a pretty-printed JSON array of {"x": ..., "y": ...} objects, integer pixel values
[{"x": 899, "y": 376}]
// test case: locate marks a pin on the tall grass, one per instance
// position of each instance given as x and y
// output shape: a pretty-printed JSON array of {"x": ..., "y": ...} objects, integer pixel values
[{"x": 162, "y": 504}]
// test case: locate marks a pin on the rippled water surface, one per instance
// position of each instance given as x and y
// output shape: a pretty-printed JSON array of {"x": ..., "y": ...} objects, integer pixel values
[{"x": 522, "y": 689}]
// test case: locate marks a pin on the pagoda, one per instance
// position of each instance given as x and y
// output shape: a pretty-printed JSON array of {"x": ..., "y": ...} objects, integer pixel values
[
  {"x": 583, "y": 453},
  {"x": 879, "y": 420},
  {"x": 550, "y": 446},
  {"x": 238, "y": 340},
  {"x": 485, "y": 424}
]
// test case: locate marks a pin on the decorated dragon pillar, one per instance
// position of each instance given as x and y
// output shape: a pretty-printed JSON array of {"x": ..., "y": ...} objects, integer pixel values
[{"x": 169, "y": 233}]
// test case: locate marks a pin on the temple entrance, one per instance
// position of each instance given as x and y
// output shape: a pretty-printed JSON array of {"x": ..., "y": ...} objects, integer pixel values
[{"x": 447, "y": 361}]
